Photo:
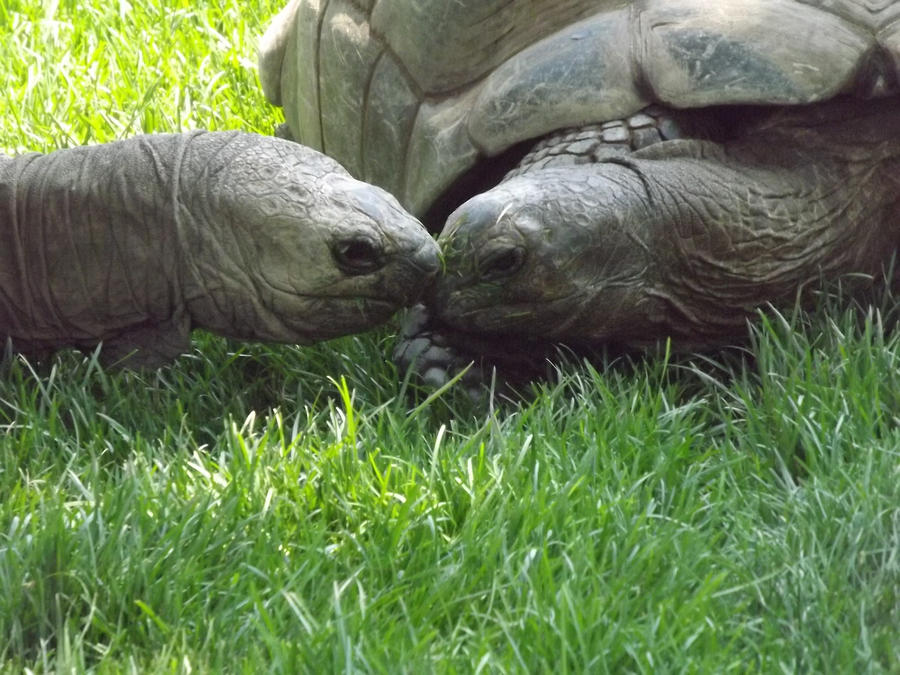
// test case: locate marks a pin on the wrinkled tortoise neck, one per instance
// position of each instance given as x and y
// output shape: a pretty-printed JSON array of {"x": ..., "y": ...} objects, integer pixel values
[
  {"x": 796, "y": 201},
  {"x": 217, "y": 279}
]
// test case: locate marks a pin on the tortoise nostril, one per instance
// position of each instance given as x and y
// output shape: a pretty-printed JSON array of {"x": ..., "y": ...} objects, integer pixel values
[{"x": 357, "y": 256}]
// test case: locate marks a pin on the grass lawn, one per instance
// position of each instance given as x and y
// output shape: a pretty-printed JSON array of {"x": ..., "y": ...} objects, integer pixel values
[{"x": 254, "y": 508}]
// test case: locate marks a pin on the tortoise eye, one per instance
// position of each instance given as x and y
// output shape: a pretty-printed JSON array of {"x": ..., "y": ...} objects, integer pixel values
[
  {"x": 357, "y": 256},
  {"x": 502, "y": 263}
]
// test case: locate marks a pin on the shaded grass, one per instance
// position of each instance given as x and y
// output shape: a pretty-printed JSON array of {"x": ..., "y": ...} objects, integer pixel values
[{"x": 271, "y": 508}]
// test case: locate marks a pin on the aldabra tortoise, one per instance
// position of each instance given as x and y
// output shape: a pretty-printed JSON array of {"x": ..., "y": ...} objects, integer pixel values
[
  {"x": 682, "y": 238},
  {"x": 135, "y": 243},
  {"x": 776, "y": 181}
]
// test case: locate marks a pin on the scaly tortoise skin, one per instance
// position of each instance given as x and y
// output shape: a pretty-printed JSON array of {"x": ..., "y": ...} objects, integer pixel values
[
  {"x": 135, "y": 243},
  {"x": 683, "y": 238},
  {"x": 793, "y": 180}
]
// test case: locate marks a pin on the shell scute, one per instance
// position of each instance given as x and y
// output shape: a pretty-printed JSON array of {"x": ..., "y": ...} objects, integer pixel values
[{"x": 747, "y": 51}]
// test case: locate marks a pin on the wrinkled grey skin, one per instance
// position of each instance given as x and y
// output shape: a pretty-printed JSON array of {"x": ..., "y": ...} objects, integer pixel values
[
  {"x": 138, "y": 242},
  {"x": 682, "y": 239}
]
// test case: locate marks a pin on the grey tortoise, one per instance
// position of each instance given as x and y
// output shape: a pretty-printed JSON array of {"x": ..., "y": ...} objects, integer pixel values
[
  {"x": 766, "y": 161},
  {"x": 135, "y": 243}
]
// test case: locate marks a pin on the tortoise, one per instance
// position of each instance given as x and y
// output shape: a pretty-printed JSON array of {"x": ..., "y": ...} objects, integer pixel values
[
  {"x": 135, "y": 243},
  {"x": 769, "y": 161}
]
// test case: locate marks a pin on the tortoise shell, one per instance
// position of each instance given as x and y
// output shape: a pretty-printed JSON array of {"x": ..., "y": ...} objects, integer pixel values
[{"x": 411, "y": 94}]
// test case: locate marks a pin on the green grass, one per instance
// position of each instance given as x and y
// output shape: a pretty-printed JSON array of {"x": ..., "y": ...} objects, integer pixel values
[{"x": 254, "y": 508}]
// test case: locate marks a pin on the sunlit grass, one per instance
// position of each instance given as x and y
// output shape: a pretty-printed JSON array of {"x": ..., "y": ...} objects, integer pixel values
[
  {"x": 274, "y": 508},
  {"x": 77, "y": 73}
]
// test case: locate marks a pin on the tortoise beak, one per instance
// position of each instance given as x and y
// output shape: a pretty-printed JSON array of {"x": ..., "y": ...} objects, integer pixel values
[
  {"x": 427, "y": 261},
  {"x": 421, "y": 267}
]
